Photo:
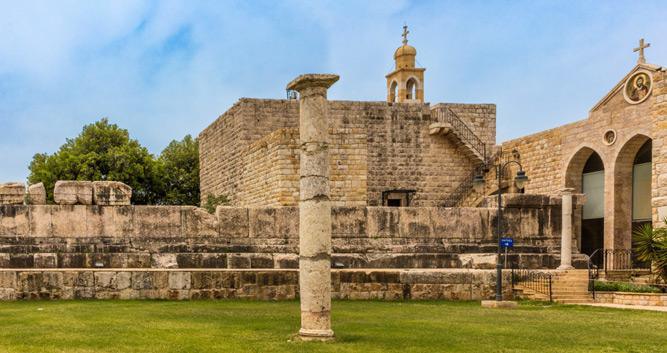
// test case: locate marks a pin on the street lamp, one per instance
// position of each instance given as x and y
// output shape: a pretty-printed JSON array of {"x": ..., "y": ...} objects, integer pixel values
[{"x": 520, "y": 181}]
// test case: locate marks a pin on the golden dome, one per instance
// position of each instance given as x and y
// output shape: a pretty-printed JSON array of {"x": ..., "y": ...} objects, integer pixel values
[{"x": 405, "y": 50}]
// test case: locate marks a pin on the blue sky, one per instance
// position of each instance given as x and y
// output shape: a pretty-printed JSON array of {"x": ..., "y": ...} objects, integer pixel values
[{"x": 164, "y": 69}]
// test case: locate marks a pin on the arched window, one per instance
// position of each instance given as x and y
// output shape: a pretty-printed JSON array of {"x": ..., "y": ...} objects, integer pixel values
[
  {"x": 592, "y": 225},
  {"x": 393, "y": 92},
  {"x": 411, "y": 89}
]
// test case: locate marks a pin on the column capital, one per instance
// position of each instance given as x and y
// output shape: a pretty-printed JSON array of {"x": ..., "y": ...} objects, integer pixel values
[
  {"x": 312, "y": 81},
  {"x": 566, "y": 191}
]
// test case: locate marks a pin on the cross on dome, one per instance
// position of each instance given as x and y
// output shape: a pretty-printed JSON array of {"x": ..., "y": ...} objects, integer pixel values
[{"x": 405, "y": 34}]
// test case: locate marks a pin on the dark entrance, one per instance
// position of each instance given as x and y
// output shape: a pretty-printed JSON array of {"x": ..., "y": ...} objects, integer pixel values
[{"x": 592, "y": 225}]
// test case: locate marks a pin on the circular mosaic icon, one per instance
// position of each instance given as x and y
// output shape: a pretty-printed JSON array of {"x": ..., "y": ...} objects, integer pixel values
[
  {"x": 637, "y": 87},
  {"x": 610, "y": 137}
]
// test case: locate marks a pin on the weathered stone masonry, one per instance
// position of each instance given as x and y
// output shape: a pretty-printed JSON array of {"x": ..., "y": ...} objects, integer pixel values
[
  {"x": 250, "y": 153},
  {"x": 452, "y": 284},
  {"x": 86, "y": 236}
]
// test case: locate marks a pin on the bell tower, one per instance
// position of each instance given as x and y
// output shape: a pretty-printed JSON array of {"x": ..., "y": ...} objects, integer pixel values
[{"x": 406, "y": 83}]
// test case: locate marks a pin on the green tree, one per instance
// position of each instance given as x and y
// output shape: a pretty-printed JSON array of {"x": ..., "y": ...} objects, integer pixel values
[
  {"x": 102, "y": 151},
  {"x": 179, "y": 163}
]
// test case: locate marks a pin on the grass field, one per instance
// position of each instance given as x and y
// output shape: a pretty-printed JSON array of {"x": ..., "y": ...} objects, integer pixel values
[{"x": 360, "y": 326}]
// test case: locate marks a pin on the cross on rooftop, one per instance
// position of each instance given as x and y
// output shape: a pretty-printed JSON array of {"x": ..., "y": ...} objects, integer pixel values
[
  {"x": 405, "y": 34},
  {"x": 640, "y": 49}
]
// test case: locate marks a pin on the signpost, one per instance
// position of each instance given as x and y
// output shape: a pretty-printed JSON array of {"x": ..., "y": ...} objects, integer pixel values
[{"x": 506, "y": 243}]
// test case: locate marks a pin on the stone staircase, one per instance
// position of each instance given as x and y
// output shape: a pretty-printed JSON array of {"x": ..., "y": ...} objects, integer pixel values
[
  {"x": 447, "y": 123},
  {"x": 567, "y": 287}
]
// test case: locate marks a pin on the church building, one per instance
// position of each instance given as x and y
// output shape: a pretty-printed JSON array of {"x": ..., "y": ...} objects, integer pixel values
[{"x": 407, "y": 152}]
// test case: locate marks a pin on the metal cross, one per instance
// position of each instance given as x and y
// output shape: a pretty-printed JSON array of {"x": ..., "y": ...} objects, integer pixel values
[
  {"x": 405, "y": 34},
  {"x": 640, "y": 49}
]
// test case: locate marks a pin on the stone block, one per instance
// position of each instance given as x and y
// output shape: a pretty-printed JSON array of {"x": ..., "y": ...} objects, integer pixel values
[
  {"x": 287, "y": 222},
  {"x": 233, "y": 221},
  {"x": 348, "y": 222},
  {"x": 415, "y": 222},
  {"x": 157, "y": 221},
  {"x": 164, "y": 261},
  {"x": 12, "y": 193},
  {"x": 46, "y": 260},
  {"x": 14, "y": 220},
  {"x": 71, "y": 192},
  {"x": 382, "y": 222},
  {"x": 36, "y": 194},
  {"x": 68, "y": 221},
  {"x": 40, "y": 221},
  {"x": 262, "y": 222},
  {"x": 179, "y": 280},
  {"x": 111, "y": 193},
  {"x": 197, "y": 222}
]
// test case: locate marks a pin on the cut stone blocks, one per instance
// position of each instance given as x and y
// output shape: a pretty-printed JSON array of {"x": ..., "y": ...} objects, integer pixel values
[
  {"x": 12, "y": 193},
  {"x": 36, "y": 194},
  {"x": 111, "y": 193},
  {"x": 71, "y": 192}
]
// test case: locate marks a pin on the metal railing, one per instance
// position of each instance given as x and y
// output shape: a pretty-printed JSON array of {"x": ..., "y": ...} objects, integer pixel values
[
  {"x": 462, "y": 190},
  {"x": 611, "y": 260},
  {"x": 446, "y": 115},
  {"x": 537, "y": 281}
]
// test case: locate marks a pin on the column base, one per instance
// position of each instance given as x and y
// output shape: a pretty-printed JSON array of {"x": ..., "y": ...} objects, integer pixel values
[
  {"x": 565, "y": 267},
  {"x": 504, "y": 304},
  {"x": 316, "y": 335}
]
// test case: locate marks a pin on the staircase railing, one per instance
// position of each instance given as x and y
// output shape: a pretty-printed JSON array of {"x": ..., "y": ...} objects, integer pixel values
[
  {"x": 462, "y": 190},
  {"x": 537, "y": 281},
  {"x": 446, "y": 115},
  {"x": 595, "y": 261}
]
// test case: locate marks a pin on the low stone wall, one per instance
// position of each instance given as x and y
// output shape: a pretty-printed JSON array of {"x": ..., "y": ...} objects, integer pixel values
[
  {"x": 450, "y": 284},
  {"x": 627, "y": 298},
  {"x": 89, "y": 236}
]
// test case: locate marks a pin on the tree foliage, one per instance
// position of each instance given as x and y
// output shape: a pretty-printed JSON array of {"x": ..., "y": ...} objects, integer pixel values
[
  {"x": 179, "y": 163},
  {"x": 650, "y": 245},
  {"x": 103, "y": 151}
]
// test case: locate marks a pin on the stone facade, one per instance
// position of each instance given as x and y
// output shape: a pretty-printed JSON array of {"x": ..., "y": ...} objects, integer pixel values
[
  {"x": 555, "y": 158},
  {"x": 89, "y": 236},
  {"x": 245, "y": 284},
  {"x": 250, "y": 153}
]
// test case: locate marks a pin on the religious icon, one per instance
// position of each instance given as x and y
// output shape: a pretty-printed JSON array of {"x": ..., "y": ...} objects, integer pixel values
[{"x": 638, "y": 87}]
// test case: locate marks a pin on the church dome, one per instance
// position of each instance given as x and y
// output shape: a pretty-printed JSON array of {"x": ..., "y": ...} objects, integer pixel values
[{"x": 405, "y": 50}]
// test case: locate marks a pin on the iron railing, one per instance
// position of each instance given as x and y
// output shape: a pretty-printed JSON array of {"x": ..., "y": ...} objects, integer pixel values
[
  {"x": 462, "y": 190},
  {"x": 537, "y": 281},
  {"x": 446, "y": 115},
  {"x": 611, "y": 260}
]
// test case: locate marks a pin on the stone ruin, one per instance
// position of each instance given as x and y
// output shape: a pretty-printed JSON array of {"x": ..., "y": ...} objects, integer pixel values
[
  {"x": 104, "y": 247},
  {"x": 68, "y": 192}
]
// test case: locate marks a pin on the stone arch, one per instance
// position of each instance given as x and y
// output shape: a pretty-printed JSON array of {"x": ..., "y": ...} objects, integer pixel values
[
  {"x": 575, "y": 167},
  {"x": 393, "y": 91},
  {"x": 411, "y": 87},
  {"x": 622, "y": 190},
  {"x": 590, "y": 234}
]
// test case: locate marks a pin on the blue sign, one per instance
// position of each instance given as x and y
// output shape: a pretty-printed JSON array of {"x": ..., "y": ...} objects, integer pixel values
[{"x": 506, "y": 242}]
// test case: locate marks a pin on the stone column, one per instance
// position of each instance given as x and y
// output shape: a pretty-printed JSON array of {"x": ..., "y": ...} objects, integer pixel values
[
  {"x": 314, "y": 206},
  {"x": 566, "y": 231}
]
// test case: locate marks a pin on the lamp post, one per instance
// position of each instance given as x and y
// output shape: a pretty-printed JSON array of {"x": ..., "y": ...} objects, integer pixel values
[{"x": 520, "y": 181}]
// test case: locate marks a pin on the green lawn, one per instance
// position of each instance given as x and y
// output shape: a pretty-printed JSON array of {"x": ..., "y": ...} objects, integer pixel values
[{"x": 360, "y": 326}]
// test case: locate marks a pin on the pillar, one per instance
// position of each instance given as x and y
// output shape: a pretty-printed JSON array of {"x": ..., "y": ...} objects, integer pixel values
[
  {"x": 314, "y": 206},
  {"x": 566, "y": 231}
]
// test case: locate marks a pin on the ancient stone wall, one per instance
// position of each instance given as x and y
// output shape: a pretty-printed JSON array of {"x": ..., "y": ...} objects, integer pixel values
[
  {"x": 246, "y": 284},
  {"x": 480, "y": 118},
  {"x": 90, "y": 236},
  {"x": 626, "y": 298},
  {"x": 249, "y": 153}
]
